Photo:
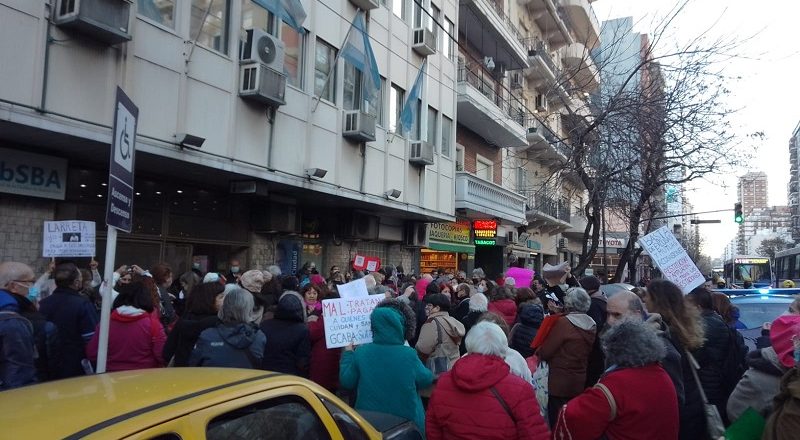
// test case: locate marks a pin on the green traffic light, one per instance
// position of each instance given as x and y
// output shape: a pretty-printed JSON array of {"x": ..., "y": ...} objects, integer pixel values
[{"x": 739, "y": 219}]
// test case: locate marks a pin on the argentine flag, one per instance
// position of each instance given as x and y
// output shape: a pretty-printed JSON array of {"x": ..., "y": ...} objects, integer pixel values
[
  {"x": 410, "y": 112},
  {"x": 290, "y": 11},
  {"x": 357, "y": 51}
]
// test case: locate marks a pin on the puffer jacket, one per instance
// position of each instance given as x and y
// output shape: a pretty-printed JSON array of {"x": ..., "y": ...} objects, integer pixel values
[
  {"x": 522, "y": 334},
  {"x": 16, "y": 345},
  {"x": 711, "y": 357},
  {"x": 135, "y": 340},
  {"x": 183, "y": 336},
  {"x": 566, "y": 348},
  {"x": 463, "y": 404},
  {"x": 760, "y": 383},
  {"x": 506, "y": 308},
  {"x": 229, "y": 345},
  {"x": 288, "y": 347}
]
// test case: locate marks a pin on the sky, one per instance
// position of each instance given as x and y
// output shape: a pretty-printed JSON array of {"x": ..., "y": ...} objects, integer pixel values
[{"x": 765, "y": 95}]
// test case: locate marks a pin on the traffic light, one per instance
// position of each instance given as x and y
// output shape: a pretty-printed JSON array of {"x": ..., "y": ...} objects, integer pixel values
[{"x": 738, "y": 217}]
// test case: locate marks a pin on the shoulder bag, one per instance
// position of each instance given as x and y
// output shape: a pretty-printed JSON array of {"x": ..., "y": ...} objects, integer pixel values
[
  {"x": 714, "y": 425},
  {"x": 438, "y": 364}
]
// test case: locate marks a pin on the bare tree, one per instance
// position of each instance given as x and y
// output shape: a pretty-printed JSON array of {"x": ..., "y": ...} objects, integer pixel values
[{"x": 771, "y": 246}]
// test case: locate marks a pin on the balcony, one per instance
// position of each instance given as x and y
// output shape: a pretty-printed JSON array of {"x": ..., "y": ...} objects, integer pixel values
[
  {"x": 551, "y": 20},
  {"x": 581, "y": 67},
  {"x": 548, "y": 149},
  {"x": 578, "y": 222},
  {"x": 583, "y": 20},
  {"x": 542, "y": 69},
  {"x": 548, "y": 214},
  {"x": 486, "y": 27},
  {"x": 489, "y": 110},
  {"x": 481, "y": 198}
]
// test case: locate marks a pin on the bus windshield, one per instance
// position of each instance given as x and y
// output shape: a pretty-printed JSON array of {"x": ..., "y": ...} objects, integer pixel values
[{"x": 755, "y": 270}]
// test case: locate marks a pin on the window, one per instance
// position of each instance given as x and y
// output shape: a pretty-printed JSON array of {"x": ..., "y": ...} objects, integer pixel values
[
  {"x": 209, "y": 24},
  {"x": 522, "y": 179},
  {"x": 447, "y": 132},
  {"x": 380, "y": 107},
  {"x": 432, "y": 26},
  {"x": 293, "y": 58},
  {"x": 352, "y": 87},
  {"x": 432, "y": 135},
  {"x": 287, "y": 417},
  {"x": 459, "y": 157},
  {"x": 348, "y": 427},
  {"x": 160, "y": 11},
  {"x": 484, "y": 168},
  {"x": 257, "y": 17},
  {"x": 323, "y": 66},
  {"x": 418, "y": 12},
  {"x": 398, "y": 8},
  {"x": 396, "y": 97},
  {"x": 416, "y": 124},
  {"x": 447, "y": 38}
]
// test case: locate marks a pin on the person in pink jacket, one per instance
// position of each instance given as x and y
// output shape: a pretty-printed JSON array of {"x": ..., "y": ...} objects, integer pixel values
[{"x": 135, "y": 337}]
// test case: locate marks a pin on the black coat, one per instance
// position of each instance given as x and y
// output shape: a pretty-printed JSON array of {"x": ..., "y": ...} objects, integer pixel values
[
  {"x": 711, "y": 357},
  {"x": 596, "y": 366},
  {"x": 76, "y": 319},
  {"x": 288, "y": 347},
  {"x": 461, "y": 310},
  {"x": 45, "y": 335},
  {"x": 181, "y": 340},
  {"x": 530, "y": 318},
  {"x": 469, "y": 321},
  {"x": 692, "y": 418}
]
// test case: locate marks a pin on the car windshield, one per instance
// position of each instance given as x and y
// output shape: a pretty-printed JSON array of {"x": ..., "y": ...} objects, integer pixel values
[{"x": 754, "y": 314}]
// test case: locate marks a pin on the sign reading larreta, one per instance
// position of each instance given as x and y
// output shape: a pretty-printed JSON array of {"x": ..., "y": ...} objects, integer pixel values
[{"x": 120, "y": 179}]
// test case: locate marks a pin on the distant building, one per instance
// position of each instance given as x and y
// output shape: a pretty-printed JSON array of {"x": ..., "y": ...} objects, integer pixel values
[
  {"x": 762, "y": 224},
  {"x": 794, "y": 181},
  {"x": 752, "y": 194}
]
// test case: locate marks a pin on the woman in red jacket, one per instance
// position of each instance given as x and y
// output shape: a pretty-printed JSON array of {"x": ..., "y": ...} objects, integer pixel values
[
  {"x": 634, "y": 399},
  {"x": 135, "y": 336},
  {"x": 502, "y": 303},
  {"x": 480, "y": 399}
]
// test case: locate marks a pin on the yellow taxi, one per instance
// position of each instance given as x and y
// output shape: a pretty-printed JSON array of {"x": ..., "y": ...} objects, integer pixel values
[{"x": 189, "y": 403}]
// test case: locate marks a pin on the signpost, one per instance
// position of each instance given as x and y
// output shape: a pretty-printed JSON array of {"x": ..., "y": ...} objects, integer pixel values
[
  {"x": 672, "y": 259},
  {"x": 119, "y": 213}
]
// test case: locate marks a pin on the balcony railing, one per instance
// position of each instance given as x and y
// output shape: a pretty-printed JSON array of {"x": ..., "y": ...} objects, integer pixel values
[
  {"x": 498, "y": 8},
  {"x": 482, "y": 196},
  {"x": 484, "y": 82},
  {"x": 558, "y": 209},
  {"x": 538, "y": 47}
]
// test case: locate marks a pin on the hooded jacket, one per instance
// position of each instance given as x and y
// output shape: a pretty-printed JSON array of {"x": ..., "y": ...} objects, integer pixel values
[
  {"x": 451, "y": 331},
  {"x": 386, "y": 374},
  {"x": 784, "y": 423},
  {"x": 566, "y": 348},
  {"x": 16, "y": 345},
  {"x": 506, "y": 308},
  {"x": 463, "y": 405},
  {"x": 235, "y": 345},
  {"x": 45, "y": 334},
  {"x": 288, "y": 347},
  {"x": 183, "y": 336},
  {"x": 523, "y": 333},
  {"x": 760, "y": 383},
  {"x": 135, "y": 340}
]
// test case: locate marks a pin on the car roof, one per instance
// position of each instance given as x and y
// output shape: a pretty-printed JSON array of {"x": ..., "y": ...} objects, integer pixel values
[
  {"x": 761, "y": 298},
  {"x": 84, "y": 405}
]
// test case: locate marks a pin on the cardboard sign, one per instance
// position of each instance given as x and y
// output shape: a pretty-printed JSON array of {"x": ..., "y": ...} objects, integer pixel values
[
  {"x": 70, "y": 238},
  {"x": 346, "y": 320},
  {"x": 353, "y": 289},
  {"x": 672, "y": 259},
  {"x": 361, "y": 262}
]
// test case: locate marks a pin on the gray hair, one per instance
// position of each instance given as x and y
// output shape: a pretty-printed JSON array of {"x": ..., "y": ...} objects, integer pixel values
[
  {"x": 12, "y": 271},
  {"x": 478, "y": 273},
  {"x": 274, "y": 270},
  {"x": 632, "y": 343},
  {"x": 510, "y": 282},
  {"x": 237, "y": 307},
  {"x": 487, "y": 338},
  {"x": 577, "y": 300},
  {"x": 478, "y": 303}
]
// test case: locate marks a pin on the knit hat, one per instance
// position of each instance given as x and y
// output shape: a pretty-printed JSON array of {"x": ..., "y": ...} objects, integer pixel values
[
  {"x": 317, "y": 280},
  {"x": 781, "y": 333},
  {"x": 252, "y": 281}
]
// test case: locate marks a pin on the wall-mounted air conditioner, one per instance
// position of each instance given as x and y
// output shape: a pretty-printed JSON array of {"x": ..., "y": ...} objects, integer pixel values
[
  {"x": 366, "y": 5},
  {"x": 263, "y": 48},
  {"x": 512, "y": 236},
  {"x": 360, "y": 226},
  {"x": 516, "y": 80},
  {"x": 563, "y": 243},
  {"x": 534, "y": 133},
  {"x": 416, "y": 235},
  {"x": 358, "y": 126},
  {"x": 541, "y": 102},
  {"x": 105, "y": 21},
  {"x": 274, "y": 218},
  {"x": 423, "y": 41},
  {"x": 259, "y": 83},
  {"x": 421, "y": 153}
]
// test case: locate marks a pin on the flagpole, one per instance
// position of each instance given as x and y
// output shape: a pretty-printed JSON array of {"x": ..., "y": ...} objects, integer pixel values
[{"x": 335, "y": 61}]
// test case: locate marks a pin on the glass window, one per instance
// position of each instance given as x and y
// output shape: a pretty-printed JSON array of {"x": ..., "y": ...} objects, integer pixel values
[
  {"x": 160, "y": 11},
  {"x": 209, "y": 23},
  {"x": 351, "y": 90},
  {"x": 293, "y": 58},
  {"x": 348, "y": 427},
  {"x": 254, "y": 16},
  {"x": 396, "y": 97},
  {"x": 323, "y": 65},
  {"x": 282, "y": 418},
  {"x": 484, "y": 168},
  {"x": 419, "y": 16},
  {"x": 432, "y": 135},
  {"x": 432, "y": 26},
  {"x": 416, "y": 127},
  {"x": 398, "y": 8},
  {"x": 380, "y": 107},
  {"x": 459, "y": 157},
  {"x": 447, "y": 45},
  {"x": 447, "y": 133}
]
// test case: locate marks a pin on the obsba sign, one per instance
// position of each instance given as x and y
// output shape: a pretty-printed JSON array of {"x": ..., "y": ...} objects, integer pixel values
[{"x": 119, "y": 212}]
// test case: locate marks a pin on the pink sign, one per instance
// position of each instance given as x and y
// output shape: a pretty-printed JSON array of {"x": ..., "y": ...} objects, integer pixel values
[{"x": 521, "y": 275}]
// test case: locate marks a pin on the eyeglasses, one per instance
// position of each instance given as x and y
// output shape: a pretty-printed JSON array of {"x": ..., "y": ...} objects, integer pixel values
[{"x": 26, "y": 283}]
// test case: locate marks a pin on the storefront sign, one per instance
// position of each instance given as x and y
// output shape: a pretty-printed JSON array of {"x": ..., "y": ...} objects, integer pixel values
[
  {"x": 32, "y": 175},
  {"x": 288, "y": 259},
  {"x": 120, "y": 175},
  {"x": 347, "y": 321},
  {"x": 672, "y": 259},
  {"x": 449, "y": 232},
  {"x": 71, "y": 238},
  {"x": 535, "y": 245},
  {"x": 484, "y": 229},
  {"x": 612, "y": 242},
  {"x": 485, "y": 242}
]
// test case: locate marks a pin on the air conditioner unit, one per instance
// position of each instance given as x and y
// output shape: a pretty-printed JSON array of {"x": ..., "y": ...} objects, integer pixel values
[
  {"x": 541, "y": 102},
  {"x": 563, "y": 243},
  {"x": 361, "y": 226},
  {"x": 261, "y": 47},
  {"x": 102, "y": 20},
  {"x": 260, "y": 83},
  {"x": 366, "y": 5},
  {"x": 359, "y": 126},
  {"x": 512, "y": 236},
  {"x": 421, "y": 153},
  {"x": 534, "y": 134},
  {"x": 423, "y": 41},
  {"x": 501, "y": 71},
  {"x": 516, "y": 80},
  {"x": 416, "y": 235},
  {"x": 276, "y": 217}
]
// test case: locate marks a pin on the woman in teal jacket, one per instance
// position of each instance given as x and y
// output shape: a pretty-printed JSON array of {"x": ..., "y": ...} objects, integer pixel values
[{"x": 386, "y": 373}]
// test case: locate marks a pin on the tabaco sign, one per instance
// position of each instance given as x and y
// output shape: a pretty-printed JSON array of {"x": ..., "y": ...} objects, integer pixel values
[
  {"x": 450, "y": 232},
  {"x": 485, "y": 232}
]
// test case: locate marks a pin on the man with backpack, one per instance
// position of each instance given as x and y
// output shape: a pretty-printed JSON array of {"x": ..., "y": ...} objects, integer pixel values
[{"x": 17, "y": 350}]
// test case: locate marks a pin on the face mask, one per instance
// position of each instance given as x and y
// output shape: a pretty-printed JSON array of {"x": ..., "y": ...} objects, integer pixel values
[
  {"x": 33, "y": 293},
  {"x": 195, "y": 265},
  {"x": 235, "y": 269},
  {"x": 480, "y": 289}
]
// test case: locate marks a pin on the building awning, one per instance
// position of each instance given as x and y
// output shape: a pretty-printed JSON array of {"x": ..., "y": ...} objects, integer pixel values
[{"x": 451, "y": 247}]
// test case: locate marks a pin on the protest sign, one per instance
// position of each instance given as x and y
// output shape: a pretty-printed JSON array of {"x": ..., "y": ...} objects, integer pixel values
[
  {"x": 347, "y": 320},
  {"x": 672, "y": 259},
  {"x": 353, "y": 289},
  {"x": 522, "y": 276},
  {"x": 70, "y": 238}
]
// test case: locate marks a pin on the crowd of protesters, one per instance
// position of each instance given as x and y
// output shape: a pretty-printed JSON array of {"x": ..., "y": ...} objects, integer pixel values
[{"x": 462, "y": 357}]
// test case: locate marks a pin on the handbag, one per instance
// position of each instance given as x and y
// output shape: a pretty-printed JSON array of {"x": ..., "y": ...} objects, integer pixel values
[
  {"x": 540, "y": 386},
  {"x": 438, "y": 364},
  {"x": 714, "y": 425}
]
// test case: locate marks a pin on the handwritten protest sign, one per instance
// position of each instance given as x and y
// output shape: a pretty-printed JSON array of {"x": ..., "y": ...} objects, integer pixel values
[
  {"x": 353, "y": 289},
  {"x": 672, "y": 259},
  {"x": 347, "y": 320},
  {"x": 70, "y": 238}
]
